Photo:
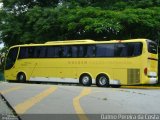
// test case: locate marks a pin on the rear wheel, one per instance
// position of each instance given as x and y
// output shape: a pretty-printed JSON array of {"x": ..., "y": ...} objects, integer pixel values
[
  {"x": 21, "y": 77},
  {"x": 86, "y": 80},
  {"x": 102, "y": 81}
]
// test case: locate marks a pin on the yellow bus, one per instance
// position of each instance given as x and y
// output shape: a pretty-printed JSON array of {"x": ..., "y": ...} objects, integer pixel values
[{"x": 104, "y": 63}]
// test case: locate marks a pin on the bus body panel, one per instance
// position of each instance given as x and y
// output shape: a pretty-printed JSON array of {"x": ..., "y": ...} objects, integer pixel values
[
  {"x": 126, "y": 70},
  {"x": 73, "y": 68}
]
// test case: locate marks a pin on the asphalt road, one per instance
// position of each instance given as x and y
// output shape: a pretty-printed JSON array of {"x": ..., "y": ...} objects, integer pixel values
[{"x": 77, "y": 102}]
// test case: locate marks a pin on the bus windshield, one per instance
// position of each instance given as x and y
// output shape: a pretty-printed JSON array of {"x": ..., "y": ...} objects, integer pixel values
[
  {"x": 152, "y": 47},
  {"x": 11, "y": 58}
]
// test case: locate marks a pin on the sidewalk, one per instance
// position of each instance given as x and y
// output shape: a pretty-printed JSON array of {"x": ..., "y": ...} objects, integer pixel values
[
  {"x": 4, "y": 109},
  {"x": 6, "y": 113}
]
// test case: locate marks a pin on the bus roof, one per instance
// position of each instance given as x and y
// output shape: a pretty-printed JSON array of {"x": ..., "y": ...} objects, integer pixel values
[
  {"x": 86, "y": 41},
  {"x": 69, "y": 41}
]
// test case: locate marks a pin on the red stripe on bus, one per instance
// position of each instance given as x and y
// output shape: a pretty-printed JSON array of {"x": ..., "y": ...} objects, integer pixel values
[{"x": 152, "y": 59}]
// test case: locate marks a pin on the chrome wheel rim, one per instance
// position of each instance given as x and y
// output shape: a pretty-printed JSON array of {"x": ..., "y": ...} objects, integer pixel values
[
  {"x": 102, "y": 81},
  {"x": 85, "y": 80},
  {"x": 21, "y": 77}
]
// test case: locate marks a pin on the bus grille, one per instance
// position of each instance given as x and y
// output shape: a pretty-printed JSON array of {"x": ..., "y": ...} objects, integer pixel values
[{"x": 133, "y": 76}]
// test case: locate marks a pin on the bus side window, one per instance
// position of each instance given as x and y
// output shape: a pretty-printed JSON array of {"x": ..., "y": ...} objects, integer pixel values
[
  {"x": 66, "y": 51},
  {"x": 85, "y": 48},
  {"x": 31, "y": 52},
  {"x": 69, "y": 51},
  {"x": 137, "y": 49},
  {"x": 58, "y": 51},
  {"x": 42, "y": 53},
  {"x": 130, "y": 50},
  {"x": 74, "y": 51},
  {"x": 23, "y": 53},
  {"x": 120, "y": 50},
  {"x": 50, "y": 52},
  {"x": 53, "y": 51},
  {"x": 81, "y": 51},
  {"x": 134, "y": 49},
  {"x": 91, "y": 51},
  {"x": 105, "y": 50},
  {"x": 39, "y": 52}
]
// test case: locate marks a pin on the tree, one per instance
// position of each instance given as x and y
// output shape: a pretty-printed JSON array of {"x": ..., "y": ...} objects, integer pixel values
[{"x": 38, "y": 21}]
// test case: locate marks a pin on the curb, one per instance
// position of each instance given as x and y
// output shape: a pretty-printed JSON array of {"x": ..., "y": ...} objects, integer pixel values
[
  {"x": 140, "y": 87},
  {"x": 13, "y": 115}
]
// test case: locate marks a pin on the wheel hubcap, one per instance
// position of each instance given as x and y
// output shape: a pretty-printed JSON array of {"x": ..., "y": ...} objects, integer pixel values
[
  {"x": 21, "y": 77},
  {"x": 85, "y": 79},
  {"x": 102, "y": 80}
]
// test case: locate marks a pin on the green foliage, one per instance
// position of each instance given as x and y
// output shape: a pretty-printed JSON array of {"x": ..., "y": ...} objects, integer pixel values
[
  {"x": 141, "y": 23},
  {"x": 38, "y": 21},
  {"x": 3, "y": 52}
]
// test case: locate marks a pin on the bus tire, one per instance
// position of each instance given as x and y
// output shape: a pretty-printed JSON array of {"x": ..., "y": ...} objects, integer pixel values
[
  {"x": 85, "y": 80},
  {"x": 102, "y": 80},
  {"x": 21, "y": 77}
]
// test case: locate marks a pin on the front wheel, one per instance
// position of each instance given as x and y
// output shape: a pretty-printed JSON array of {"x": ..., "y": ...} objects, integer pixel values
[
  {"x": 102, "y": 81},
  {"x": 21, "y": 77}
]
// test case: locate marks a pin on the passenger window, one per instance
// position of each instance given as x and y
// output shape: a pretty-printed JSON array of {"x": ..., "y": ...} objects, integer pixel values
[
  {"x": 39, "y": 52},
  {"x": 91, "y": 51},
  {"x": 66, "y": 51},
  {"x": 31, "y": 52},
  {"x": 23, "y": 53},
  {"x": 74, "y": 51},
  {"x": 42, "y": 53},
  {"x": 105, "y": 50},
  {"x": 81, "y": 51},
  {"x": 121, "y": 50},
  {"x": 53, "y": 51},
  {"x": 134, "y": 49}
]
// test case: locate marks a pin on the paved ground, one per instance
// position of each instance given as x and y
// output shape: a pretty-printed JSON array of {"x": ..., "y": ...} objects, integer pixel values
[
  {"x": 77, "y": 102},
  {"x": 4, "y": 108},
  {"x": 6, "y": 111}
]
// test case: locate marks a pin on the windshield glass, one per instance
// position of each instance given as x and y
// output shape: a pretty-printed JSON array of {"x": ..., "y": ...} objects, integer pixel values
[
  {"x": 11, "y": 58},
  {"x": 152, "y": 47}
]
